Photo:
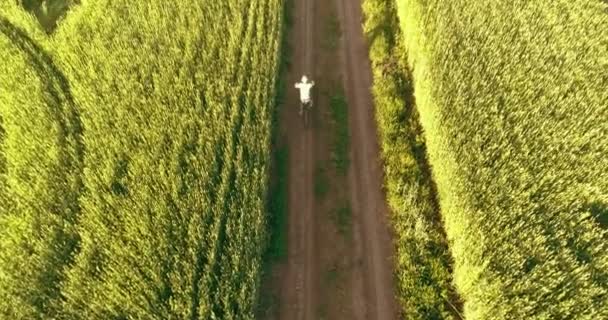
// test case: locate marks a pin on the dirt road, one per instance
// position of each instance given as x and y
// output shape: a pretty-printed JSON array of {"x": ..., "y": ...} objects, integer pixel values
[{"x": 330, "y": 274}]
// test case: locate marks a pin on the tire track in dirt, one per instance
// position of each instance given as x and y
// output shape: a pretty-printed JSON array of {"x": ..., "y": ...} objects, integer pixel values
[
  {"x": 298, "y": 285},
  {"x": 370, "y": 212}
]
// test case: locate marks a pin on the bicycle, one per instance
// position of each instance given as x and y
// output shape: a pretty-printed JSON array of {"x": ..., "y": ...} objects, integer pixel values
[{"x": 306, "y": 108}]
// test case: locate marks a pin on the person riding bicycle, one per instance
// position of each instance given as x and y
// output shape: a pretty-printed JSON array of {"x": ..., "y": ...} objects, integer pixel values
[{"x": 305, "y": 86}]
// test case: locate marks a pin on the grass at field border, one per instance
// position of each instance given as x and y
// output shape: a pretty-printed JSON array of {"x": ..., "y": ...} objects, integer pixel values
[
  {"x": 278, "y": 210},
  {"x": 277, "y": 198},
  {"x": 423, "y": 260}
]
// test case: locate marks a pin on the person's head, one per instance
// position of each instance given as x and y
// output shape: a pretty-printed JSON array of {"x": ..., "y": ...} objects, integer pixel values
[{"x": 304, "y": 79}]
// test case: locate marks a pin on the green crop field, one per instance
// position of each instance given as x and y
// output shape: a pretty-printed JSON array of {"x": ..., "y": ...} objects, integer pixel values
[
  {"x": 134, "y": 148},
  {"x": 513, "y": 101}
]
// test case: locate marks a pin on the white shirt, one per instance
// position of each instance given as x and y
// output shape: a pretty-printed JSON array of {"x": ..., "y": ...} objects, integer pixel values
[{"x": 305, "y": 90}]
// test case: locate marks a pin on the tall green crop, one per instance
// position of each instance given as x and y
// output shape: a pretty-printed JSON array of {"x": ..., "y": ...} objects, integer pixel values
[
  {"x": 512, "y": 97},
  {"x": 41, "y": 167},
  {"x": 174, "y": 101},
  {"x": 176, "y": 106}
]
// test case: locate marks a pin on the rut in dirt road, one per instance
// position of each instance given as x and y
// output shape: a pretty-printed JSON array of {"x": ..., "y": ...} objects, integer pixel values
[
  {"x": 365, "y": 176},
  {"x": 298, "y": 285}
]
